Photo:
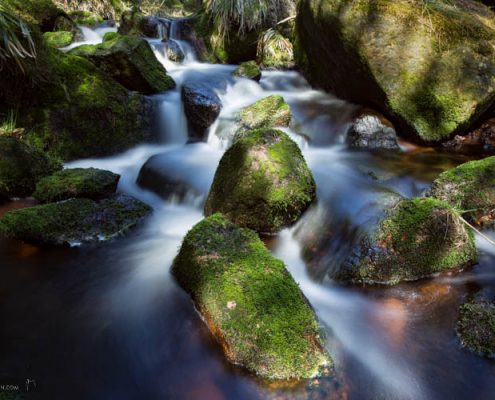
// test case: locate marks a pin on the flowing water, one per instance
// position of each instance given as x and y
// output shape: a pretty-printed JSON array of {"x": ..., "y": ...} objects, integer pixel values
[{"x": 109, "y": 322}]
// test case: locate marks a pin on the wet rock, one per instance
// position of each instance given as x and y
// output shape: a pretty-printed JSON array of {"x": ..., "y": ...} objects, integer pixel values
[
  {"x": 269, "y": 112},
  {"x": 135, "y": 23},
  {"x": 59, "y": 39},
  {"x": 469, "y": 187},
  {"x": 262, "y": 182},
  {"x": 168, "y": 185},
  {"x": 202, "y": 106},
  {"x": 248, "y": 70},
  {"x": 89, "y": 183},
  {"x": 415, "y": 239},
  {"x": 479, "y": 141},
  {"x": 384, "y": 54},
  {"x": 130, "y": 61},
  {"x": 372, "y": 132},
  {"x": 150, "y": 26},
  {"x": 21, "y": 167},
  {"x": 250, "y": 303},
  {"x": 476, "y": 327},
  {"x": 74, "y": 221},
  {"x": 174, "y": 51}
]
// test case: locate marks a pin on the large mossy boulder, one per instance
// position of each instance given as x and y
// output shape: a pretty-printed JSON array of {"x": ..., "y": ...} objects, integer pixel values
[
  {"x": 89, "y": 183},
  {"x": 130, "y": 61},
  {"x": 269, "y": 112},
  {"x": 428, "y": 65},
  {"x": 21, "y": 167},
  {"x": 262, "y": 182},
  {"x": 476, "y": 327},
  {"x": 59, "y": 39},
  {"x": 470, "y": 187},
  {"x": 250, "y": 303},
  {"x": 73, "y": 221},
  {"x": 415, "y": 239}
]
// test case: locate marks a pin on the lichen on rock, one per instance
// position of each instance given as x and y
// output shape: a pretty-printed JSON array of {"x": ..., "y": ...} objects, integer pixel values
[
  {"x": 476, "y": 327},
  {"x": 250, "y": 303}
]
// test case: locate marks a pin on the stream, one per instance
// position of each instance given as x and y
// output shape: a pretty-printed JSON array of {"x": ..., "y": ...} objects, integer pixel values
[{"x": 110, "y": 322}]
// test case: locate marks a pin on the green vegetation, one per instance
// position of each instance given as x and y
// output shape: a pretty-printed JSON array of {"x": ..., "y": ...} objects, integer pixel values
[
  {"x": 130, "y": 60},
  {"x": 73, "y": 221},
  {"x": 251, "y": 304},
  {"x": 58, "y": 39},
  {"x": 262, "y": 182},
  {"x": 91, "y": 12},
  {"x": 21, "y": 167},
  {"x": 476, "y": 327},
  {"x": 417, "y": 238},
  {"x": 86, "y": 18},
  {"x": 89, "y": 183},
  {"x": 470, "y": 187},
  {"x": 275, "y": 50}
]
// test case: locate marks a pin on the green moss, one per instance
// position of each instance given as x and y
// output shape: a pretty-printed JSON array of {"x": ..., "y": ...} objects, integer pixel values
[
  {"x": 476, "y": 327},
  {"x": 470, "y": 187},
  {"x": 73, "y": 221},
  {"x": 130, "y": 60},
  {"x": 417, "y": 238},
  {"x": 249, "y": 70},
  {"x": 41, "y": 13},
  {"x": 90, "y": 183},
  {"x": 110, "y": 36},
  {"x": 275, "y": 50},
  {"x": 21, "y": 166},
  {"x": 86, "y": 18},
  {"x": 426, "y": 64},
  {"x": 249, "y": 301},
  {"x": 262, "y": 182},
  {"x": 269, "y": 112},
  {"x": 59, "y": 39}
]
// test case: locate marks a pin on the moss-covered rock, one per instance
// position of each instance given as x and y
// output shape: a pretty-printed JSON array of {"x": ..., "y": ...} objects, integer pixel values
[
  {"x": 110, "y": 36},
  {"x": 59, "y": 39},
  {"x": 262, "y": 182},
  {"x": 248, "y": 70},
  {"x": 43, "y": 14},
  {"x": 415, "y": 239},
  {"x": 269, "y": 112},
  {"x": 428, "y": 65},
  {"x": 130, "y": 61},
  {"x": 86, "y": 18},
  {"x": 89, "y": 183},
  {"x": 476, "y": 327},
  {"x": 94, "y": 9},
  {"x": 250, "y": 303},
  {"x": 21, "y": 167},
  {"x": 469, "y": 187},
  {"x": 73, "y": 221}
]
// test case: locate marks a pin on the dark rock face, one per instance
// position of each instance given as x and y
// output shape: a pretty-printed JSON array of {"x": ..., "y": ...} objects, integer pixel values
[
  {"x": 479, "y": 141},
  {"x": 74, "y": 221},
  {"x": 370, "y": 132},
  {"x": 202, "y": 106},
  {"x": 162, "y": 182},
  {"x": 150, "y": 26}
]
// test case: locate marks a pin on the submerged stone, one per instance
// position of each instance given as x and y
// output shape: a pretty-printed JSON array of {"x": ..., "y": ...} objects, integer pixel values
[
  {"x": 248, "y": 70},
  {"x": 174, "y": 51},
  {"x": 428, "y": 65},
  {"x": 269, "y": 112},
  {"x": 90, "y": 183},
  {"x": 476, "y": 327},
  {"x": 470, "y": 187},
  {"x": 202, "y": 107},
  {"x": 250, "y": 303},
  {"x": 21, "y": 167},
  {"x": 129, "y": 60},
  {"x": 415, "y": 239},
  {"x": 262, "y": 182},
  {"x": 74, "y": 221}
]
